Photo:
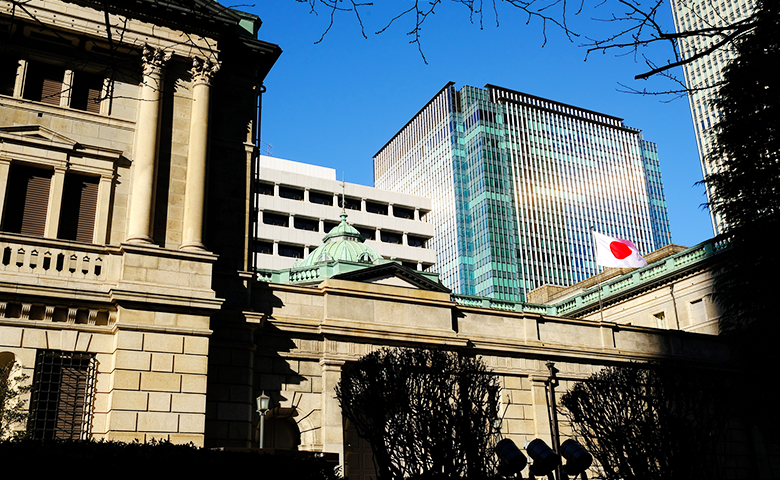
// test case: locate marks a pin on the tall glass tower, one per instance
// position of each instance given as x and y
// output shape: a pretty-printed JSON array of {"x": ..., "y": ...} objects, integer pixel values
[
  {"x": 702, "y": 75},
  {"x": 516, "y": 182}
]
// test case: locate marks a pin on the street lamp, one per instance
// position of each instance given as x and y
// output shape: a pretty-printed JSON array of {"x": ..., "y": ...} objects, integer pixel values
[{"x": 263, "y": 402}]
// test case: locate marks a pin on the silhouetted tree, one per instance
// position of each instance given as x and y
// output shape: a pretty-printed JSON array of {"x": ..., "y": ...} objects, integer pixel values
[
  {"x": 746, "y": 197},
  {"x": 426, "y": 413},
  {"x": 651, "y": 421}
]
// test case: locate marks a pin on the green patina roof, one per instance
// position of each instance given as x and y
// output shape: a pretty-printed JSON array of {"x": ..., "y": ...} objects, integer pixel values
[{"x": 343, "y": 243}]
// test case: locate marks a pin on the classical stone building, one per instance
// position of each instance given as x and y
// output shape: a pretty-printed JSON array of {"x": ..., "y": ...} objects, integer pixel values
[
  {"x": 312, "y": 321},
  {"x": 126, "y": 170},
  {"x": 125, "y": 205}
]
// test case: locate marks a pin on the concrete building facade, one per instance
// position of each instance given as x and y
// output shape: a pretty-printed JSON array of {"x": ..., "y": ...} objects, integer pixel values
[
  {"x": 298, "y": 204},
  {"x": 517, "y": 181}
]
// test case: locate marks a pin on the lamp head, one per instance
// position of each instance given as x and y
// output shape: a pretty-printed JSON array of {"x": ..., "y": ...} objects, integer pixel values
[
  {"x": 263, "y": 402},
  {"x": 577, "y": 458},
  {"x": 545, "y": 460},
  {"x": 512, "y": 460}
]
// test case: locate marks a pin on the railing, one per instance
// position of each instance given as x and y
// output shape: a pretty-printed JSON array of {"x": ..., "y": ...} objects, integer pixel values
[
  {"x": 646, "y": 274},
  {"x": 624, "y": 282},
  {"x": 494, "y": 304},
  {"x": 52, "y": 258},
  {"x": 304, "y": 275}
]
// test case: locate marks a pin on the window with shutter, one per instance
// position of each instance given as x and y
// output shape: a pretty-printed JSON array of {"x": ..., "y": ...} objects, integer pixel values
[
  {"x": 86, "y": 92},
  {"x": 27, "y": 200},
  {"x": 8, "y": 67},
  {"x": 79, "y": 203},
  {"x": 44, "y": 83}
]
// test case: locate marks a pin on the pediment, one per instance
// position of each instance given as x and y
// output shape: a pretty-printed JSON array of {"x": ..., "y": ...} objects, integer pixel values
[
  {"x": 393, "y": 274},
  {"x": 36, "y": 134},
  {"x": 40, "y": 139}
]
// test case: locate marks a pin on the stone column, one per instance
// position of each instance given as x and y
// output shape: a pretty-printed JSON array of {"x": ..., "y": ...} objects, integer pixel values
[
  {"x": 5, "y": 165},
  {"x": 67, "y": 88},
  {"x": 195, "y": 188},
  {"x": 55, "y": 203},
  {"x": 332, "y": 429},
  {"x": 101, "y": 216},
  {"x": 146, "y": 138}
]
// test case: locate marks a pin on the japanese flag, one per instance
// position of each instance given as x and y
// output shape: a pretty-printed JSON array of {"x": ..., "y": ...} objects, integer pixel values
[{"x": 616, "y": 252}]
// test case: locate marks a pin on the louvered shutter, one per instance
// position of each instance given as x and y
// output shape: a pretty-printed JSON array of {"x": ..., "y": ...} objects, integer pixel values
[
  {"x": 27, "y": 201},
  {"x": 8, "y": 66},
  {"x": 86, "y": 92},
  {"x": 79, "y": 204},
  {"x": 44, "y": 83}
]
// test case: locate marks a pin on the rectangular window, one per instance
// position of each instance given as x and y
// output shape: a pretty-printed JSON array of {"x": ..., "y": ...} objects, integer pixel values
[
  {"x": 698, "y": 314},
  {"x": 79, "y": 203},
  {"x": 265, "y": 188},
  {"x": 401, "y": 212},
  {"x": 329, "y": 225},
  {"x": 416, "y": 241},
  {"x": 63, "y": 390},
  {"x": 276, "y": 219},
  {"x": 349, "y": 203},
  {"x": 8, "y": 67},
  {"x": 43, "y": 83},
  {"x": 378, "y": 208},
  {"x": 291, "y": 193},
  {"x": 660, "y": 320},
  {"x": 27, "y": 200},
  {"x": 321, "y": 198},
  {"x": 369, "y": 233},
  {"x": 266, "y": 248},
  {"x": 293, "y": 251},
  {"x": 306, "y": 224},
  {"x": 391, "y": 237},
  {"x": 86, "y": 92}
]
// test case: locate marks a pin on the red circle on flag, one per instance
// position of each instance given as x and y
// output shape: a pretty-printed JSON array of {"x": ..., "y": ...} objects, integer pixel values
[{"x": 620, "y": 250}]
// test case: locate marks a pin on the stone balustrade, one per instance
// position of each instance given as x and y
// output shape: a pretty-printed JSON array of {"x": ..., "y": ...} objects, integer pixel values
[{"x": 52, "y": 258}]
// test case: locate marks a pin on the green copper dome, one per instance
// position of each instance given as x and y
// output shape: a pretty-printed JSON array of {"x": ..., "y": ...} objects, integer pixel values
[{"x": 343, "y": 243}]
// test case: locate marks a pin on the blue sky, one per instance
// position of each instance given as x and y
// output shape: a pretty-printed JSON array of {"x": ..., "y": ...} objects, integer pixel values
[{"x": 336, "y": 103}]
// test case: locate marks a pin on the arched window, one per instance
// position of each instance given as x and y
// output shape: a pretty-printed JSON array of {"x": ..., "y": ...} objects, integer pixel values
[{"x": 281, "y": 430}]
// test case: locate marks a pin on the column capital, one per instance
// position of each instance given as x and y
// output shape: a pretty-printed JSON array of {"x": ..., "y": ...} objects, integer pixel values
[
  {"x": 202, "y": 70},
  {"x": 154, "y": 59}
]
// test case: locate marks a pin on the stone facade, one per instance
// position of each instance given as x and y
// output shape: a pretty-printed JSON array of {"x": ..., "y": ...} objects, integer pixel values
[
  {"x": 306, "y": 336},
  {"x": 113, "y": 123}
]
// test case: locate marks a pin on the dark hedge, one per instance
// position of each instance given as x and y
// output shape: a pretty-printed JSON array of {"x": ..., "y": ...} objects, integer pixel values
[{"x": 88, "y": 458}]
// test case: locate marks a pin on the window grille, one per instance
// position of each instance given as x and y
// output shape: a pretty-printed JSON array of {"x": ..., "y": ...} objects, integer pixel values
[{"x": 63, "y": 391}]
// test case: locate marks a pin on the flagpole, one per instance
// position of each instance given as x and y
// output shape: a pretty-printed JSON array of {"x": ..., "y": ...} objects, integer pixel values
[{"x": 598, "y": 275}]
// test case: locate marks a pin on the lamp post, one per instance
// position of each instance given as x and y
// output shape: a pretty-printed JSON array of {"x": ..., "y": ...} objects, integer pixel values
[{"x": 263, "y": 401}]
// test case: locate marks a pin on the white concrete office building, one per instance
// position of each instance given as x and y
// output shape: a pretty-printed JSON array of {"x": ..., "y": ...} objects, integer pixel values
[{"x": 298, "y": 204}]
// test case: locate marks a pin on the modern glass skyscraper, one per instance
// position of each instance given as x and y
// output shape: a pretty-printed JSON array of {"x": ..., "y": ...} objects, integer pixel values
[
  {"x": 703, "y": 74},
  {"x": 516, "y": 183}
]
